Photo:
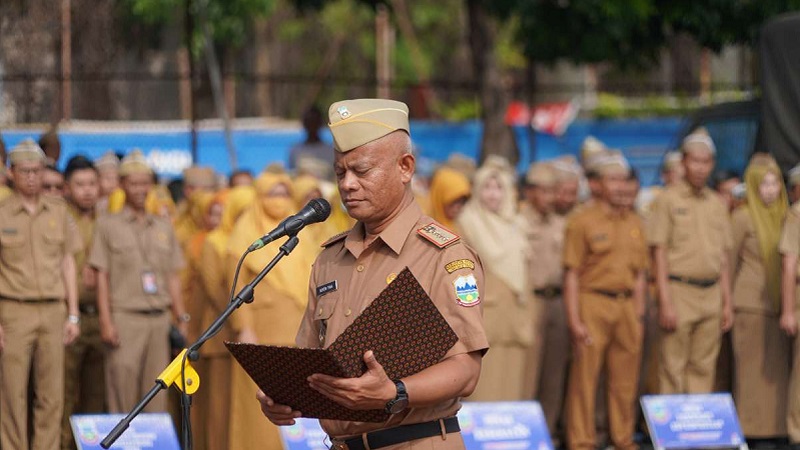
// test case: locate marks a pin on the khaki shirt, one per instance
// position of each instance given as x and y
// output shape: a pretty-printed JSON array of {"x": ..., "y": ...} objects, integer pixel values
[
  {"x": 790, "y": 235},
  {"x": 85, "y": 226},
  {"x": 607, "y": 249},
  {"x": 362, "y": 273},
  {"x": 128, "y": 250},
  {"x": 694, "y": 228},
  {"x": 749, "y": 278},
  {"x": 546, "y": 238},
  {"x": 33, "y": 246}
]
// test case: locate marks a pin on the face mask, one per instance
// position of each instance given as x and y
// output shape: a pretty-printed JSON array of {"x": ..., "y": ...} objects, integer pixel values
[{"x": 276, "y": 207}]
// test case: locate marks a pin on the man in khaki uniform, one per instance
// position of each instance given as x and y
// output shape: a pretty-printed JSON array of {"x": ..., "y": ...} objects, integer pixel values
[
  {"x": 195, "y": 179},
  {"x": 790, "y": 314},
  {"x": 84, "y": 378},
  {"x": 690, "y": 236},
  {"x": 137, "y": 258},
  {"x": 568, "y": 181},
  {"x": 605, "y": 257},
  {"x": 374, "y": 167},
  {"x": 546, "y": 240},
  {"x": 37, "y": 274}
]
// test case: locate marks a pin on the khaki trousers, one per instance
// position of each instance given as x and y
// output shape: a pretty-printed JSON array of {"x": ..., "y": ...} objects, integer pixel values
[
  {"x": 554, "y": 362},
  {"x": 761, "y": 368},
  {"x": 84, "y": 377},
  {"x": 212, "y": 403},
  {"x": 793, "y": 414},
  {"x": 616, "y": 333},
  {"x": 689, "y": 353},
  {"x": 34, "y": 350},
  {"x": 132, "y": 368}
]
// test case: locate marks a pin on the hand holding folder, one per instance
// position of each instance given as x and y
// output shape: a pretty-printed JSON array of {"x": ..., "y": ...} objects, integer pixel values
[{"x": 403, "y": 328}]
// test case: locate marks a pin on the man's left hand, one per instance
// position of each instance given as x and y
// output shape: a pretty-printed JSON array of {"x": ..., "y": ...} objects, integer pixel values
[{"x": 369, "y": 391}]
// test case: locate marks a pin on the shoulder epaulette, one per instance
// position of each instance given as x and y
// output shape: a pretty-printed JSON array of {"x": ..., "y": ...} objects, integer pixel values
[
  {"x": 335, "y": 238},
  {"x": 438, "y": 235}
]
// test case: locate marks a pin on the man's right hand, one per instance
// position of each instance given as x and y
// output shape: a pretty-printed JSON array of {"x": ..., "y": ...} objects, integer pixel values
[
  {"x": 278, "y": 414},
  {"x": 108, "y": 333},
  {"x": 579, "y": 333},
  {"x": 789, "y": 323},
  {"x": 667, "y": 317}
]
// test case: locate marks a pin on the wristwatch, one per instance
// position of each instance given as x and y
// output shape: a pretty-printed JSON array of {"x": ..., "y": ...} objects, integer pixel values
[{"x": 400, "y": 402}]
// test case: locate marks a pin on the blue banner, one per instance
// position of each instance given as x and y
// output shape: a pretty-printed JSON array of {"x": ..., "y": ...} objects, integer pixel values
[
  {"x": 147, "y": 431},
  {"x": 484, "y": 426},
  {"x": 692, "y": 421},
  {"x": 169, "y": 149}
]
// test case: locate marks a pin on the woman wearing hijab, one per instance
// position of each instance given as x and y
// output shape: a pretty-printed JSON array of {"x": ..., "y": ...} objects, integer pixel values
[
  {"x": 304, "y": 189},
  {"x": 491, "y": 225},
  {"x": 448, "y": 193},
  {"x": 760, "y": 349},
  {"x": 279, "y": 301}
]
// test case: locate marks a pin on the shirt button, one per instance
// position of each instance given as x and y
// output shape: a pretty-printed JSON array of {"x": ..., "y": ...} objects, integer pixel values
[
  {"x": 349, "y": 311},
  {"x": 320, "y": 312},
  {"x": 360, "y": 268}
]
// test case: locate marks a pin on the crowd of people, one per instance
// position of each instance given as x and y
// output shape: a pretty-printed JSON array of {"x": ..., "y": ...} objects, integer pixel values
[{"x": 595, "y": 291}]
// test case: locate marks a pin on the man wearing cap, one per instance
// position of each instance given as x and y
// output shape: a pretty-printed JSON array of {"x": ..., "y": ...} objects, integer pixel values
[
  {"x": 38, "y": 239},
  {"x": 568, "y": 180},
  {"x": 690, "y": 237},
  {"x": 195, "y": 179},
  {"x": 794, "y": 184},
  {"x": 374, "y": 167},
  {"x": 137, "y": 258},
  {"x": 546, "y": 238},
  {"x": 605, "y": 257},
  {"x": 84, "y": 378}
]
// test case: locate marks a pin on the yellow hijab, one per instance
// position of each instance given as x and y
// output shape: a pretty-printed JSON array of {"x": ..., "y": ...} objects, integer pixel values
[
  {"x": 767, "y": 220},
  {"x": 202, "y": 201},
  {"x": 447, "y": 186},
  {"x": 158, "y": 202},
  {"x": 290, "y": 276},
  {"x": 499, "y": 238},
  {"x": 235, "y": 203},
  {"x": 116, "y": 200},
  {"x": 303, "y": 186}
]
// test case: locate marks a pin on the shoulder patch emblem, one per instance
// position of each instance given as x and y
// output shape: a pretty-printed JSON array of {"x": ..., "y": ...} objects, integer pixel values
[
  {"x": 335, "y": 238},
  {"x": 438, "y": 235},
  {"x": 459, "y": 264},
  {"x": 467, "y": 290}
]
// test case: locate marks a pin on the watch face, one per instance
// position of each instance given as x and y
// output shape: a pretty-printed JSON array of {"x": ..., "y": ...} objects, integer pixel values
[{"x": 398, "y": 406}]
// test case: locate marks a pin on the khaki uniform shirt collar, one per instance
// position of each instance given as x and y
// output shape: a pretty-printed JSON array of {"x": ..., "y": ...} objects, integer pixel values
[
  {"x": 394, "y": 236},
  {"x": 686, "y": 190},
  {"x": 128, "y": 214},
  {"x": 18, "y": 207}
]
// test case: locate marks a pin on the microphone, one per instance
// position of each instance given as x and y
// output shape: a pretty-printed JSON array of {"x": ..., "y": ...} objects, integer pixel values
[{"x": 316, "y": 210}]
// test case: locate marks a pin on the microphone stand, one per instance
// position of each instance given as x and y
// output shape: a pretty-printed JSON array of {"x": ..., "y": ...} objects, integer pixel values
[{"x": 181, "y": 371}]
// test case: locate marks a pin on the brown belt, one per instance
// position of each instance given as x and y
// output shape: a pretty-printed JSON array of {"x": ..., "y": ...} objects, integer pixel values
[
  {"x": 699, "y": 282},
  {"x": 148, "y": 312},
  {"x": 398, "y": 435},
  {"x": 615, "y": 295},
  {"x": 30, "y": 300}
]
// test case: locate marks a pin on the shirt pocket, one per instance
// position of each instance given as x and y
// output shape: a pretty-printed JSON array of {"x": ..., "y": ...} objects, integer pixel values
[
  {"x": 53, "y": 243},
  {"x": 123, "y": 254},
  {"x": 600, "y": 243},
  {"x": 322, "y": 318},
  {"x": 13, "y": 248}
]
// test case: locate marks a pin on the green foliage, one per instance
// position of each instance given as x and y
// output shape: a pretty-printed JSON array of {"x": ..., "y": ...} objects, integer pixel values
[
  {"x": 460, "y": 110},
  {"x": 230, "y": 20}
]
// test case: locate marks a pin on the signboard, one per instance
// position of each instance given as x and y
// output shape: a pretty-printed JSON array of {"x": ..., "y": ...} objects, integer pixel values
[
  {"x": 504, "y": 425},
  {"x": 484, "y": 426},
  {"x": 147, "y": 431},
  {"x": 693, "y": 421}
]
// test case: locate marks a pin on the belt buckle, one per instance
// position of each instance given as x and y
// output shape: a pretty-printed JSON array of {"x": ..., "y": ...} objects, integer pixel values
[
  {"x": 338, "y": 446},
  {"x": 549, "y": 292}
]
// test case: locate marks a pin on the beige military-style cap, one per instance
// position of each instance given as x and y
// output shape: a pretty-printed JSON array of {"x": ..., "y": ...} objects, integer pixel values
[
  {"x": 672, "y": 159},
  {"x": 354, "y": 123},
  {"x": 27, "y": 150},
  {"x": 794, "y": 175},
  {"x": 109, "y": 160},
  {"x": 613, "y": 162},
  {"x": 541, "y": 174},
  {"x": 134, "y": 163},
  {"x": 566, "y": 168},
  {"x": 699, "y": 140},
  {"x": 199, "y": 176},
  {"x": 590, "y": 148}
]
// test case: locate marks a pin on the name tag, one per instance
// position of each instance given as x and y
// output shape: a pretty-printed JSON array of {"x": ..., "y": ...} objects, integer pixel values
[{"x": 327, "y": 288}]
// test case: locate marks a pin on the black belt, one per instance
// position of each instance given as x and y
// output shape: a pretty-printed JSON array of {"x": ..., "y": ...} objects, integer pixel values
[
  {"x": 618, "y": 295},
  {"x": 30, "y": 300},
  {"x": 699, "y": 282},
  {"x": 548, "y": 292},
  {"x": 148, "y": 312},
  {"x": 398, "y": 435},
  {"x": 87, "y": 308}
]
